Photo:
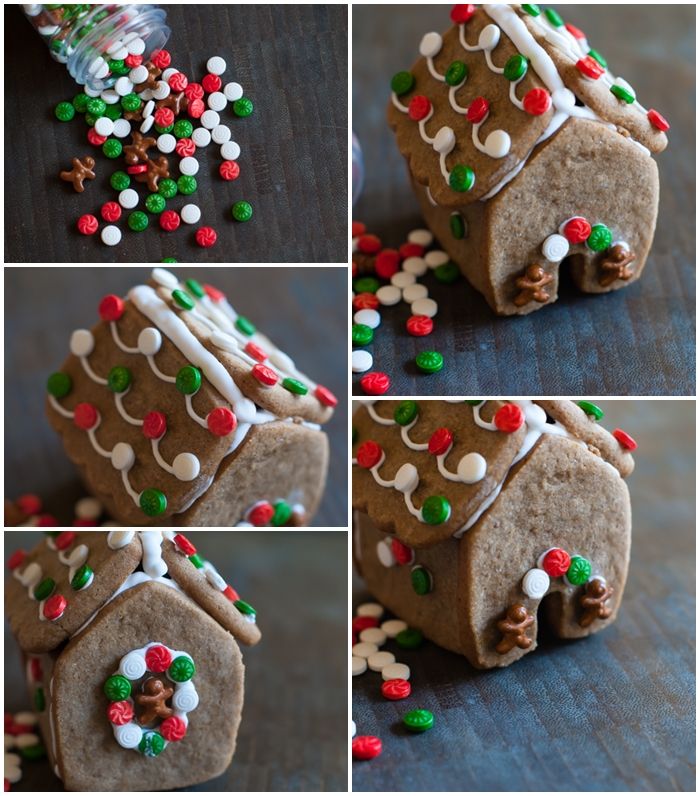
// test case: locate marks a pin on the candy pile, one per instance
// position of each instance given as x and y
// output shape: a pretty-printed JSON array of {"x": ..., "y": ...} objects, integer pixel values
[
  {"x": 155, "y": 105},
  {"x": 384, "y": 277},
  {"x": 21, "y": 742},
  {"x": 368, "y": 635},
  {"x": 27, "y": 512},
  {"x": 265, "y": 514}
]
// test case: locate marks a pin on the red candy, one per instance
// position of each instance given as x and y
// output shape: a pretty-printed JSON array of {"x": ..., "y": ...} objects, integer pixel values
[
  {"x": 229, "y": 170},
  {"x": 29, "y": 504},
  {"x": 211, "y": 83},
  {"x": 396, "y": 689},
  {"x": 365, "y": 301},
  {"x": 132, "y": 61},
  {"x": 139, "y": 168},
  {"x": 419, "y": 325},
  {"x": 185, "y": 147},
  {"x": 195, "y": 108},
  {"x": 178, "y": 81},
  {"x": 194, "y": 91},
  {"x": 214, "y": 293},
  {"x": 87, "y": 224},
  {"x": 78, "y": 523},
  {"x": 624, "y": 439},
  {"x": 161, "y": 59},
  {"x": 402, "y": 552},
  {"x": 375, "y": 383},
  {"x": 85, "y": 416},
  {"x": 16, "y": 559},
  {"x": 325, "y": 396},
  {"x": 54, "y": 607},
  {"x": 360, "y": 623},
  {"x": 230, "y": 594},
  {"x": 111, "y": 308},
  {"x": 169, "y": 220},
  {"x": 537, "y": 101},
  {"x": 576, "y": 230},
  {"x": 556, "y": 562},
  {"x": 369, "y": 454},
  {"x": 358, "y": 228},
  {"x": 164, "y": 117},
  {"x": 419, "y": 107},
  {"x": 366, "y": 747},
  {"x": 255, "y": 351},
  {"x": 477, "y": 110},
  {"x": 369, "y": 244},
  {"x": 47, "y": 521},
  {"x": 221, "y": 421},
  {"x": 184, "y": 544},
  {"x": 509, "y": 418},
  {"x": 264, "y": 375},
  {"x": 154, "y": 425},
  {"x": 577, "y": 33},
  {"x": 111, "y": 211},
  {"x": 95, "y": 138},
  {"x": 173, "y": 728},
  {"x": 158, "y": 658},
  {"x": 589, "y": 67},
  {"x": 440, "y": 441},
  {"x": 462, "y": 13},
  {"x": 387, "y": 263},
  {"x": 408, "y": 249},
  {"x": 64, "y": 540},
  {"x": 261, "y": 515},
  {"x": 658, "y": 120},
  {"x": 205, "y": 237},
  {"x": 120, "y": 713}
]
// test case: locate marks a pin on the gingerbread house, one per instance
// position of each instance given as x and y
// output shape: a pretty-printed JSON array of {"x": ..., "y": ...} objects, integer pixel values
[
  {"x": 131, "y": 645},
  {"x": 177, "y": 411},
  {"x": 474, "y": 520},
  {"x": 527, "y": 155}
]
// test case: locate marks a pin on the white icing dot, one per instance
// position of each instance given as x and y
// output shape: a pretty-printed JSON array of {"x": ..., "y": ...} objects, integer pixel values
[
  {"x": 149, "y": 341},
  {"x": 88, "y": 508},
  {"x": 430, "y": 45},
  {"x": 164, "y": 277},
  {"x": 426, "y": 306},
  {"x": 536, "y": 583},
  {"x": 497, "y": 144},
  {"x": 555, "y": 248},
  {"x": 186, "y": 466},
  {"x": 82, "y": 343},
  {"x": 369, "y": 318},
  {"x": 388, "y": 295},
  {"x": 489, "y": 37},
  {"x": 471, "y": 468},
  {"x": 224, "y": 341},
  {"x": 122, "y": 456},
  {"x": 563, "y": 99},
  {"x": 444, "y": 140},
  {"x": 407, "y": 478},
  {"x": 361, "y": 361},
  {"x": 118, "y": 539},
  {"x": 385, "y": 556}
]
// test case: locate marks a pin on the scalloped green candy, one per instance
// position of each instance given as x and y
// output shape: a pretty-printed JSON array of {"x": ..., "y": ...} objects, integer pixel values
[
  {"x": 188, "y": 380},
  {"x": 186, "y": 184},
  {"x": 600, "y": 238},
  {"x": 59, "y": 384},
  {"x": 80, "y": 102},
  {"x": 515, "y": 68},
  {"x": 579, "y": 570},
  {"x": 436, "y": 510},
  {"x": 410, "y": 638},
  {"x": 362, "y": 334},
  {"x": 152, "y": 744},
  {"x": 462, "y": 178},
  {"x": 113, "y": 112},
  {"x": 117, "y": 688},
  {"x": 167, "y": 188},
  {"x": 155, "y": 203},
  {"x": 181, "y": 669},
  {"x": 120, "y": 181},
  {"x": 282, "y": 515},
  {"x": 366, "y": 284},
  {"x": 430, "y": 361},
  {"x": 242, "y": 211},
  {"x": 130, "y": 102},
  {"x": 406, "y": 412},
  {"x": 418, "y": 720},
  {"x": 64, "y": 111},
  {"x": 153, "y": 502},
  {"x": 243, "y": 107},
  {"x": 447, "y": 273},
  {"x": 402, "y": 83}
]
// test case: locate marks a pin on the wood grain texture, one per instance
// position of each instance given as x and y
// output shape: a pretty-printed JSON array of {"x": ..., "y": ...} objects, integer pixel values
[
  {"x": 613, "y": 712},
  {"x": 293, "y": 735},
  {"x": 299, "y": 309},
  {"x": 635, "y": 341},
  {"x": 291, "y": 61}
]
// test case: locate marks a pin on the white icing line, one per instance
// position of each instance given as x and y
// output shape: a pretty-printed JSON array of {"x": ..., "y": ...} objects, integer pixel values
[
  {"x": 397, "y": 103},
  {"x": 158, "y": 371},
  {"x": 96, "y": 445},
  {"x": 118, "y": 397},
  {"x": 191, "y": 412},
  {"x": 133, "y": 494},
  {"x": 90, "y": 372},
  {"x": 115, "y": 335},
  {"x": 57, "y": 406}
]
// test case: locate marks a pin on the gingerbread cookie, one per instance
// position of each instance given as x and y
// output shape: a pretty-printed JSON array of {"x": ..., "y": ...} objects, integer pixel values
[
  {"x": 512, "y": 104},
  {"x": 131, "y": 642},
  {"x": 470, "y": 516},
  {"x": 178, "y": 411}
]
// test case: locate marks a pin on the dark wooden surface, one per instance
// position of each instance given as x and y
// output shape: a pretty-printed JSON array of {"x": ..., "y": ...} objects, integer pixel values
[
  {"x": 301, "y": 309},
  {"x": 293, "y": 736},
  {"x": 635, "y": 341},
  {"x": 291, "y": 61},
  {"x": 614, "y": 712}
]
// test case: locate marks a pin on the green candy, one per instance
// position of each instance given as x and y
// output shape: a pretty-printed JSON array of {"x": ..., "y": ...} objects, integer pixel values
[
  {"x": 245, "y": 608},
  {"x": 167, "y": 129},
  {"x": 402, "y": 83},
  {"x": 596, "y": 56},
  {"x": 195, "y": 288},
  {"x": 39, "y": 700},
  {"x": 59, "y": 384},
  {"x": 119, "y": 379},
  {"x": 153, "y": 502},
  {"x": 44, "y": 589},
  {"x": 418, "y": 720},
  {"x": 282, "y": 515},
  {"x": 96, "y": 106},
  {"x": 421, "y": 580},
  {"x": 447, "y": 273},
  {"x": 579, "y": 570},
  {"x": 167, "y": 188},
  {"x": 623, "y": 94},
  {"x": 188, "y": 380},
  {"x": 117, "y": 688},
  {"x": 186, "y": 184},
  {"x": 531, "y": 9},
  {"x": 152, "y": 744},
  {"x": 456, "y": 73},
  {"x": 182, "y": 128},
  {"x": 474, "y": 401},
  {"x": 113, "y": 112},
  {"x": 90, "y": 119},
  {"x": 461, "y": 178},
  {"x": 138, "y": 221},
  {"x": 553, "y": 17},
  {"x": 130, "y": 103},
  {"x": 457, "y": 226},
  {"x": 112, "y": 148},
  {"x": 430, "y": 361},
  {"x": 80, "y": 102},
  {"x": 436, "y": 510},
  {"x": 245, "y": 326},
  {"x": 406, "y": 412},
  {"x": 600, "y": 238},
  {"x": 155, "y": 203},
  {"x": 168, "y": 260},
  {"x": 362, "y": 334},
  {"x": 515, "y": 68},
  {"x": 354, "y": 435},
  {"x": 64, "y": 111},
  {"x": 181, "y": 669},
  {"x": 81, "y": 578},
  {"x": 242, "y": 211},
  {"x": 118, "y": 67},
  {"x": 366, "y": 284},
  {"x": 294, "y": 386},
  {"x": 410, "y": 638},
  {"x": 34, "y": 752},
  {"x": 196, "y": 561},
  {"x": 591, "y": 409},
  {"x": 120, "y": 181},
  {"x": 243, "y": 107}
]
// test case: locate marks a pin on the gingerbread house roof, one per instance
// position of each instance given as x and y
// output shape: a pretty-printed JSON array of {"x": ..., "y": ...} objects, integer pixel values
[
  {"x": 57, "y": 589},
  {"x": 169, "y": 383},
  {"x": 502, "y": 80},
  {"x": 426, "y": 471}
]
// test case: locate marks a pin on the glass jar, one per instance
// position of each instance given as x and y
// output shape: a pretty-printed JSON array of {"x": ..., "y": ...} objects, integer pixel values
[
  {"x": 358, "y": 169},
  {"x": 93, "y": 40}
]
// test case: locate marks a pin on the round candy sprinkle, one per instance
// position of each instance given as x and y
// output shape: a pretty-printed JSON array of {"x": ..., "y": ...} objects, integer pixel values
[
  {"x": 155, "y": 203},
  {"x": 447, "y": 273},
  {"x": 421, "y": 580},
  {"x": 555, "y": 562},
  {"x": 418, "y": 720},
  {"x": 361, "y": 334},
  {"x": 436, "y": 510},
  {"x": 186, "y": 184},
  {"x": 120, "y": 180},
  {"x": 138, "y": 221},
  {"x": 294, "y": 386},
  {"x": 462, "y": 178},
  {"x": 243, "y": 107},
  {"x": 368, "y": 317},
  {"x": 82, "y": 577},
  {"x": 167, "y": 188},
  {"x": 509, "y": 418},
  {"x": 112, "y": 148},
  {"x": 117, "y": 688},
  {"x": 419, "y": 325},
  {"x": 44, "y": 589},
  {"x": 59, "y": 384},
  {"x": 229, "y": 170},
  {"x": 658, "y": 121},
  {"x": 359, "y": 665},
  {"x": 375, "y": 383},
  {"x": 395, "y": 688},
  {"x": 181, "y": 669},
  {"x": 515, "y": 68},
  {"x": 406, "y": 412},
  {"x": 579, "y": 570},
  {"x": 430, "y": 361},
  {"x": 624, "y": 439},
  {"x": 205, "y": 236},
  {"x": 457, "y": 226},
  {"x": 87, "y": 224},
  {"x": 366, "y": 747},
  {"x": 600, "y": 238},
  {"x": 370, "y": 609},
  {"x": 169, "y": 220},
  {"x": 64, "y": 111},
  {"x": 242, "y": 211},
  {"x": 119, "y": 379},
  {"x": 153, "y": 502},
  {"x": 426, "y": 306},
  {"x": 378, "y": 660},
  {"x": 623, "y": 94},
  {"x": 111, "y": 235},
  {"x": 591, "y": 409}
]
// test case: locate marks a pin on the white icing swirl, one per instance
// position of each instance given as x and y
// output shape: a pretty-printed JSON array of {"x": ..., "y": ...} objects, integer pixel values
[
  {"x": 133, "y": 665},
  {"x": 128, "y": 735}
]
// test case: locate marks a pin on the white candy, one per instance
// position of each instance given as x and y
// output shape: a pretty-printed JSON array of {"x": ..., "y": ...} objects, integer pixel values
[
  {"x": 414, "y": 265},
  {"x": 388, "y": 295},
  {"x": 82, "y": 343},
  {"x": 148, "y": 108},
  {"x": 136, "y": 46},
  {"x": 104, "y": 126},
  {"x": 216, "y": 65},
  {"x": 471, "y": 468},
  {"x": 123, "y": 456},
  {"x": 375, "y": 610},
  {"x": 370, "y": 318},
  {"x": 407, "y": 478},
  {"x": 116, "y": 47},
  {"x": 95, "y": 65},
  {"x": 91, "y": 92},
  {"x": 161, "y": 91},
  {"x": 403, "y": 279},
  {"x": 233, "y": 91},
  {"x": 555, "y": 248},
  {"x": 497, "y": 144},
  {"x": 123, "y": 86},
  {"x": 536, "y": 583},
  {"x": 210, "y": 119},
  {"x": 26, "y": 717},
  {"x": 168, "y": 73},
  {"x": 122, "y": 128},
  {"x": 216, "y": 101},
  {"x": 436, "y": 258},
  {"x": 444, "y": 141},
  {"x": 378, "y": 660},
  {"x": 146, "y": 124},
  {"x": 396, "y": 671},
  {"x": 166, "y": 143},
  {"x": 414, "y": 292},
  {"x": 128, "y": 198},
  {"x": 364, "y": 649},
  {"x": 189, "y": 166},
  {"x": 110, "y": 235},
  {"x": 353, "y": 729},
  {"x": 384, "y": 555},
  {"x": 361, "y": 361},
  {"x": 110, "y": 96},
  {"x": 149, "y": 341},
  {"x": 220, "y": 135},
  {"x": 190, "y": 214},
  {"x": 201, "y": 137},
  {"x": 373, "y": 635},
  {"x": 146, "y": 94},
  {"x": 88, "y": 508},
  {"x": 164, "y": 277},
  {"x": 186, "y": 467},
  {"x": 430, "y": 45},
  {"x": 422, "y": 237},
  {"x": 359, "y": 665},
  {"x": 139, "y": 74},
  {"x": 392, "y": 627},
  {"x": 489, "y": 37},
  {"x": 426, "y": 306},
  {"x": 230, "y": 150}
]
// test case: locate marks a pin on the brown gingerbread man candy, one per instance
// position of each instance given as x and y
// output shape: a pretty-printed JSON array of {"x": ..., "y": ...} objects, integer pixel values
[
  {"x": 137, "y": 151},
  {"x": 82, "y": 170},
  {"x": 532, "y": 286},
  {"x": 157, "y": 170},
  {"x": 153, "y": 699},
  {"x": 616, "y": 265},
  {"x": 514, "y": 628},
  {"x": 594, "y": 600}
]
